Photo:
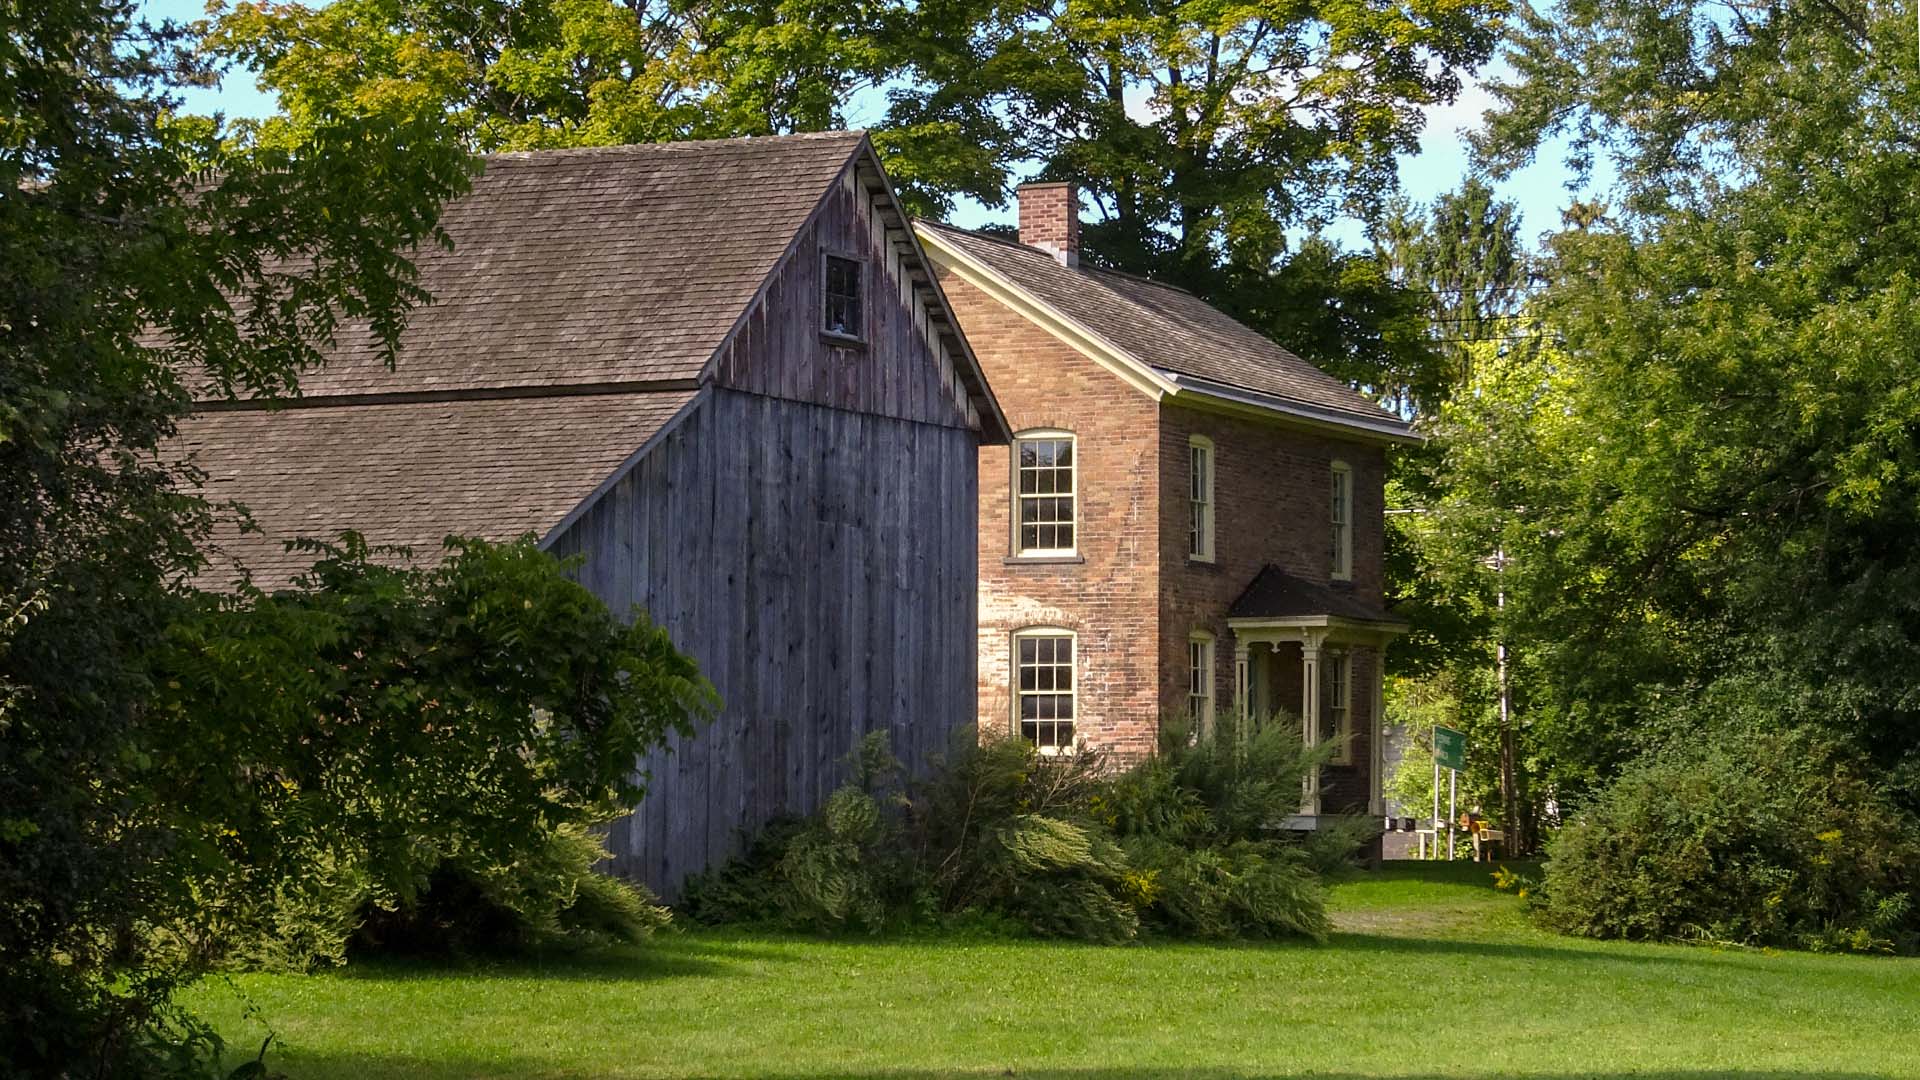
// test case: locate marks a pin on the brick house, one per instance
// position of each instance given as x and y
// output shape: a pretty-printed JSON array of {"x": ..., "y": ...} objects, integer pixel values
[
  {"x": 720, "y": 374},
  {"x": 1189, "y": 519}
]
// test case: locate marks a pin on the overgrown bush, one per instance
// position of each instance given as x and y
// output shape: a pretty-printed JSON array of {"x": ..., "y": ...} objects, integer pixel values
[
  {"x": 546, "y": 895},
  {"x": 1184, "y": 844},
  {"x": 1743, "y": 836}
]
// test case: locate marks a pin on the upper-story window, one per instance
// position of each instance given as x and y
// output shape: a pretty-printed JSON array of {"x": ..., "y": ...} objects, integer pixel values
[
  {"x": 1342, "y": 522},
  {"x": 1200, "y": 498},
  {"x": 1043, "y": 694},
  {"x": 842, "y": 308},
  {"x": 1044, "y": 484}
]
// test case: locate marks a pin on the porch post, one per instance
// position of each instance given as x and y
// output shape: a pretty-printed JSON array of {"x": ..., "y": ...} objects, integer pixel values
[
  {"x": 1379, "y": 736},
  {"x": 1242, "y": 686},
  {"x": 1310, "y": 642}
]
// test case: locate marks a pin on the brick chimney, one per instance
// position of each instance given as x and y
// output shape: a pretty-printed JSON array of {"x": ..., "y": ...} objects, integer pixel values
[{"x": 1050, "y": 220}]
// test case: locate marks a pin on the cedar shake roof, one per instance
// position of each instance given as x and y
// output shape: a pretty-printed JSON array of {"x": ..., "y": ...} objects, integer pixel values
[
  {"x": 1276, "y": 594},
  {"x": 595, "y": 266},
  {"x": 575, "y": 316},
  {"x": 1170, "y": 330},
  {"x": 410, "y": 472}
]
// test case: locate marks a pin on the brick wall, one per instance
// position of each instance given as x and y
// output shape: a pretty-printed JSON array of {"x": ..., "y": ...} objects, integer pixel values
[
  {"x": 1133, "y": 597},
  {"x": 1108, "y": 598},
  {"x": 1272, "y": 504}
]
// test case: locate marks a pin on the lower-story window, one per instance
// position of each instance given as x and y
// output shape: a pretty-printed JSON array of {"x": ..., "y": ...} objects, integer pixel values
[
  {"x": 1043, "y": 694},
  {"x": 1200, "y": 684},
  {"x": 1336, "y": 687}
]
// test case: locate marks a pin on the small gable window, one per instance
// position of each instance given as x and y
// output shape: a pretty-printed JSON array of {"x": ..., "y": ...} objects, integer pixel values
[
  {"x": 1342, "y": 522},
  {"x": 842, "y": 313}
]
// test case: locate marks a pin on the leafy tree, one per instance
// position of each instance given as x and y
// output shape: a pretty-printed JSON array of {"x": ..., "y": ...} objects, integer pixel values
[
  {"x": 138, "y": 253},
  {"x": 1739, "y": 337},
  {"x": 1465, "y": 256}
]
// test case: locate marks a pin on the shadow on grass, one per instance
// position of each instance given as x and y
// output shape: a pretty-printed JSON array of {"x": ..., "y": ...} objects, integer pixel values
[
  {"x": 381, "y": 1067},
  {"x": 661, "y": 958}
]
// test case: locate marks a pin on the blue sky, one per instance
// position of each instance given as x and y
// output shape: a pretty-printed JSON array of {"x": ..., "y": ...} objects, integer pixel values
[{"x": 1439, "y": 165}]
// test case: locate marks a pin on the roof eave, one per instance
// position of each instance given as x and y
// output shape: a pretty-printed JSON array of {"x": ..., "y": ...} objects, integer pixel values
[
  {"x": 1204, "y": 393},
  {"x": 1383, "y": 627},
  {"x": 996, "y": 429},
  {"x": 1074, "y": 333}
]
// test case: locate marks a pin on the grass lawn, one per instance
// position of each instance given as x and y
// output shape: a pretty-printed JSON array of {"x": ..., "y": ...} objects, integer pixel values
[{"x": 1433, "y": 974}]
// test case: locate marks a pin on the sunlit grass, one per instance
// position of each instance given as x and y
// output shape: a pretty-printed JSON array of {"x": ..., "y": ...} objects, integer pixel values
[{"x": 1433, "y": 974}]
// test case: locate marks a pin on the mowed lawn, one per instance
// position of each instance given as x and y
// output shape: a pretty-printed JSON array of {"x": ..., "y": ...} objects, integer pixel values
[{"x": 1434, "y": 974}]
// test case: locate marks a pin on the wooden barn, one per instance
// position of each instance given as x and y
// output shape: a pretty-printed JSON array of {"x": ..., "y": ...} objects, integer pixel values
[{"x": 722, "y": 373}]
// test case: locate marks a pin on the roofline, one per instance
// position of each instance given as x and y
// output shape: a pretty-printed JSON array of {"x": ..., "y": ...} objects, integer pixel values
[
  {"x": 1004, "y": 432},
  {"x": 1053, "y": 320},
  {"x": 620, "y": 471},
  {"x": 1155, "y": 382},
  {"x": 450, "y": 393},
  {"x": 1385, "y": 628},
  {"x": 1224, "y": 397}
]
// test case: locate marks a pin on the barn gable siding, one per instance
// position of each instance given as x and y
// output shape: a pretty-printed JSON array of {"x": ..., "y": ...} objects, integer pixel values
[
  {"x": 902, "y": 370},
  {"x": 819, "y": 565}
]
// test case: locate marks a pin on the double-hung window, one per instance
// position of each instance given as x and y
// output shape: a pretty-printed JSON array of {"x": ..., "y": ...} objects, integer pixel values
[
  {"x": 1043, "y": 695},
  {"x": 1336, "y": 689},
  {"x": 1200, "y": 684},
  {"x": 1342, "y": 522},
  {"x": 1045, "y": 499},
  {"x": 1200, "y": 498}
]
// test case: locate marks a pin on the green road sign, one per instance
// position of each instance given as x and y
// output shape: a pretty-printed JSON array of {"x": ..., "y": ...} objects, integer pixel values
[{"x": 1450, "y": 748}]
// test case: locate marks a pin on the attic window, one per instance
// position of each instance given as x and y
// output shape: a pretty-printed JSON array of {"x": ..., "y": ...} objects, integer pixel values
[{"x": 842, "y": 314}]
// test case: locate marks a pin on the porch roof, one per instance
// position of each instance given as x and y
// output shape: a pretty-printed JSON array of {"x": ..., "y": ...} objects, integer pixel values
[{"x": 1275, "y": 594}]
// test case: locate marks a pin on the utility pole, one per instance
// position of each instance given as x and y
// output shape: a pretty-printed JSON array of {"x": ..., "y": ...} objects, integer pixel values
[{"x": 1509, "y": 795}]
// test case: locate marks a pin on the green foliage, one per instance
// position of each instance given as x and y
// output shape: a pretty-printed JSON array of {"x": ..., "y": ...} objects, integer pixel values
[
  {"x": 547, "y": 894},
  {"x": 1743, "y": 834},
  {"x": 999, "y": 835},
  {"x": 440, "y": 737},
  {"x": 137, "y": 253}
]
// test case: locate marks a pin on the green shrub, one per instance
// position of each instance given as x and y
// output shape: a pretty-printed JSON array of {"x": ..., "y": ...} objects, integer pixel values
[
  {"x": 999, "y": 835},
  {"x": 548, "y": 896},
  {"x": 1751, "y": 837}
]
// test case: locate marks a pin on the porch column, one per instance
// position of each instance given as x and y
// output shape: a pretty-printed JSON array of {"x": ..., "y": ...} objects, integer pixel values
[
  {"x": 1310, "y": 642},
  {"x": 1379, "y": 738},
  {"x": 1242, "y": 687}
]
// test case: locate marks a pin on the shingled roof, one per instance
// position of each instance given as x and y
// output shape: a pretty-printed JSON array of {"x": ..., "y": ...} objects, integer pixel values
[
  {"x": 411, "y": 472},
  {"x": 1276, "y": 594},
  {"x": 574, "y": 317},
  {"x": 675, "y": 238},
  {"x": 1186, "y": 342}
]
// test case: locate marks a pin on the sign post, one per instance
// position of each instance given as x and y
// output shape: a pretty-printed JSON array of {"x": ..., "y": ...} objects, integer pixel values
[{"x": 1450, "y": 753}]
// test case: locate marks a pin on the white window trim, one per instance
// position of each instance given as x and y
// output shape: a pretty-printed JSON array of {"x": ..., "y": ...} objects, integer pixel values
[
  {"x": 1013, "y": 683},
  {"x": 1205, "y": 504},
  {"x": 1339, "y": 706},
  {"x": 1014, "y": 496},
  {"x": 1341, "y": 523},
  {"x": 1210, "y": 659}
]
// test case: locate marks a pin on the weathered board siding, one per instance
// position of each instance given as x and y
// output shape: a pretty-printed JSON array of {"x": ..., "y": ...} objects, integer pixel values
[
  {"x": 902, "y": 370},
  {"x": 819, "y": 563}
]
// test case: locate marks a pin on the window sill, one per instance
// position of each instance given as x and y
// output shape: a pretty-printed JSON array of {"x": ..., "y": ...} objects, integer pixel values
[
  {"x": 1042, "y": 560},
  {"x": 1202, "y": 560},
  {"x": 845, "y": 341}
]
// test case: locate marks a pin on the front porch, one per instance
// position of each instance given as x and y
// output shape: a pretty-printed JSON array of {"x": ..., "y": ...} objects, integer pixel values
[{"x": 1299, "y": 644}]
